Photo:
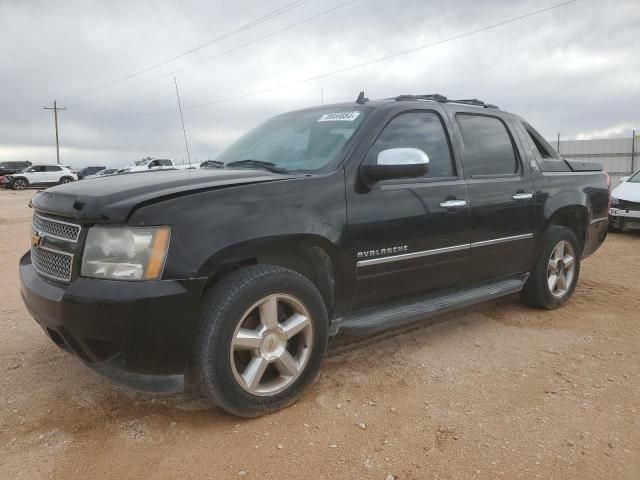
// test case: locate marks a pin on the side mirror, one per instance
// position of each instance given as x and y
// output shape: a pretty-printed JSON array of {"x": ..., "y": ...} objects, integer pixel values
[
  {"x": 623, "y": 179},
  {"x": 397, "y": 163}
]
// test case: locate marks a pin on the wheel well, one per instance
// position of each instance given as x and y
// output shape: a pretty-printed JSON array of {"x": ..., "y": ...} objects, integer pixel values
[
  {"x": 574, "y": 218},
  {"x": 311, "y": 261}
]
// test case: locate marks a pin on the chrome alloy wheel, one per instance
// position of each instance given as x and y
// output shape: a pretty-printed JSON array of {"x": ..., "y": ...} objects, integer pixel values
[
  {"x": 561, "y": 270},
  {"x": 19, "y": 184},
  {"x": 271, "y": 345}
]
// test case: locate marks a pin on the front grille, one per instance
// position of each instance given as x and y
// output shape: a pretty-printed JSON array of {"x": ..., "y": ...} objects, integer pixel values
[
  {"x": 56, "y": 228},
  {"x": 626, "y": 205},
  {"x": 52, "y": 263}
]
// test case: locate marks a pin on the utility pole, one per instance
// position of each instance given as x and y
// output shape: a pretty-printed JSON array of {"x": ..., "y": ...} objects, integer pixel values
[
  {"x": 558, "y": 143},
  {"x": 633, "y": 151},
  {"x": 55, "y": 109},
  {"x": 182, "y": 120}
]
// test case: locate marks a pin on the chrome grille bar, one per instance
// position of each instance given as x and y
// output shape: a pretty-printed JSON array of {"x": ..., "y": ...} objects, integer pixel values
[
  {"x": 58, "y": 229},
  {"x": 52, "y": 263}
]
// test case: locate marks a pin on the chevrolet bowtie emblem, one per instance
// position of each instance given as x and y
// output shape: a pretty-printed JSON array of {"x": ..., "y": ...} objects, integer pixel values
[{"x": 36, "y": 239}]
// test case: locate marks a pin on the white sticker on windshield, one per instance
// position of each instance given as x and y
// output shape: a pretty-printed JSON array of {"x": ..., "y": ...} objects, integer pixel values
[{"x": 339, "y": 117}]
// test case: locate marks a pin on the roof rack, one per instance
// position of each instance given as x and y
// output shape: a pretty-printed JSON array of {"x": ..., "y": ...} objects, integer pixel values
[{"x": 442, "y": 99}]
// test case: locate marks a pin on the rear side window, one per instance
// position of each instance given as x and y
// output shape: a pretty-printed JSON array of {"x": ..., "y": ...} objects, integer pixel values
[
  {"x": 488, "y": 149},
  {"x": 53, "y": 168},
  {"x": 423, "y": 130},
  {"x": 545, "y": 150}
]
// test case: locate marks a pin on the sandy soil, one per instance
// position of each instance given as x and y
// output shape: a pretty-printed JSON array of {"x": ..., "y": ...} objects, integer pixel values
[{"x": 499, "y": 391}]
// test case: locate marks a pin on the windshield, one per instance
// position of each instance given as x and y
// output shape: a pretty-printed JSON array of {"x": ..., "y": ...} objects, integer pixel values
[
  {"x": 635, "y": 178},
  {"x": 304, "y": 141}
]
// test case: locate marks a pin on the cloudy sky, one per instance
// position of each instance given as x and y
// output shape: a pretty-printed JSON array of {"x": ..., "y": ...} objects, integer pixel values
[{"x": 574, "y": 69}]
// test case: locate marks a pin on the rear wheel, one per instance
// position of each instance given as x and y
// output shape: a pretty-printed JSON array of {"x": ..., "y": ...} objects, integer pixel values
[
  {"x": 262, "y": 334},
  {"x": 19, "y": 184},
  {"x": 555, "y": 274}
]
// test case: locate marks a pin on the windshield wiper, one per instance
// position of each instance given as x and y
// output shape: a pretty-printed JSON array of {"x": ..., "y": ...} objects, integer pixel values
[{"x": 270, "y": 166}]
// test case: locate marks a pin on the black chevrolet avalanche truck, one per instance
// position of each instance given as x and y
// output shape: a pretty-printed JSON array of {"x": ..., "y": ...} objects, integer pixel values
[{"x": 354, "y": 217}]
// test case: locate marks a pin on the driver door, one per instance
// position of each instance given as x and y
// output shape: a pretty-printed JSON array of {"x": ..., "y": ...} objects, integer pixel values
[
  {"x": 37, "y": 175},
  {"x": 410, "y": 235}
]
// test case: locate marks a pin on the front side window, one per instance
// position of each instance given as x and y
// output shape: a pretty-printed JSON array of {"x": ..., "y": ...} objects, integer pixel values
[
  {"x": 422, "y": 130},
  {"x": 305, "y": 141},
  {"x": 52, "y": 168},
  {"x": 488, "y": 149}
]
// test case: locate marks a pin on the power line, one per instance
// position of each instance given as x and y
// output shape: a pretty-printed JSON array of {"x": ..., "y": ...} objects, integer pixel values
[
  {"x": 352, "y": 67},
  {"x": 221, "y": 54},
  {"x": 269, "y": 16}
]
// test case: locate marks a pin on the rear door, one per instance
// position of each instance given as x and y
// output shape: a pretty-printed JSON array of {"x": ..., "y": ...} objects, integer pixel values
[
  {"x": 501, "y": 195},
  {"x": 52, "y": 174},
  {"x": 409, "y": 235}
]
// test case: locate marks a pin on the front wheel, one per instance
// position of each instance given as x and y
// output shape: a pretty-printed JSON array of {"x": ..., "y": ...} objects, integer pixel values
[
  {"x": 64, "y": 180},
  {"x": 19, "y": 184},
  {"x": 262, "y": 334},
  {"x": 555, "y": 274}
]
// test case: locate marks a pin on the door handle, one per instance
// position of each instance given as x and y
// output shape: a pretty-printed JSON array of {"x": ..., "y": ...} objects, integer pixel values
[
  {"x": 523, "y": 196},
  {"x": 453, "y": 204}
]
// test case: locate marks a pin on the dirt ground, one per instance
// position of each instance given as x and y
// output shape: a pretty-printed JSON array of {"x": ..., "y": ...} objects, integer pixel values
[{"x": 498, "y": 391}]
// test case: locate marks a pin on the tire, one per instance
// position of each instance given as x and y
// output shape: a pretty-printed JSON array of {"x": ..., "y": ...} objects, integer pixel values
[
  {"x": 538, "y": 292},
  {"x": 19, "y": 184},
  {"x": 226, "y": 354},
  {"x": 65, "y": 180}
]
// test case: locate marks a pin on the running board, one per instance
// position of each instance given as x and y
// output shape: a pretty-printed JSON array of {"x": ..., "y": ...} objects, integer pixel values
[{"x": 375, "y": 319}]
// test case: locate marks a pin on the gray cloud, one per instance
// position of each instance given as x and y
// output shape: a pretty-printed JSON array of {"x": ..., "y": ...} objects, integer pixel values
[{"x": 573, "y": 69}]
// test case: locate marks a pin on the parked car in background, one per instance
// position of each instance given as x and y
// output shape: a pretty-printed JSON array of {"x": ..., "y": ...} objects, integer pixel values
[
  {"x": 40, "y": 175},
  {"x": 7, "y": 168},
  {"x": 86, "y": 171},
  {"x": 625, "y": 204},
  {"x": 102, "y": 173},
  {"x": 152, "y": 164}
]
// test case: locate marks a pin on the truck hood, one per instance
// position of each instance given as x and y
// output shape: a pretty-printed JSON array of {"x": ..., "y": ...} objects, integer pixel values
[
  {"x": 111, "y": 199},
  {"x": 629, "y": 191}
]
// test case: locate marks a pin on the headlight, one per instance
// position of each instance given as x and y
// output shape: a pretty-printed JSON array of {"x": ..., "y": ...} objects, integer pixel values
[
  {"x": 614, "y": 201},
  {"x": 123, "y": 253}
]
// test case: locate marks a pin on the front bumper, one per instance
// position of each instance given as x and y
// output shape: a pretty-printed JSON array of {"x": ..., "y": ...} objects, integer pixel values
[
  {"x": 622, "y": 218},
  {"x": 138, "y": 334}
]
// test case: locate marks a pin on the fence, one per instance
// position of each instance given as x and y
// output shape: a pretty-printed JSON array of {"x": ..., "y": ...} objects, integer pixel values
[{"x": 619, "y": 156}]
